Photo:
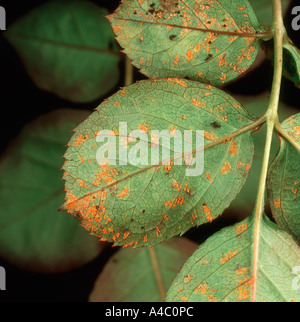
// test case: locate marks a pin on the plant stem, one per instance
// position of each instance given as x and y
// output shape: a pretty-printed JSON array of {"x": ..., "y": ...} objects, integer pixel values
[
  {"x": 129, "y": 78},
  {"x": 158, "y": 277},
  {"x": 272, "y": 119},
  {"x": 287, "y": 136}
]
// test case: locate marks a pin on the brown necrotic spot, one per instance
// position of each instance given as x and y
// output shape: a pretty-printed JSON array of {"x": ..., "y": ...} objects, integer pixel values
[
  {"x": 208, "y": 58},
  {"x": 172, "y": 37},
  {"x": 215, "y": 125}
]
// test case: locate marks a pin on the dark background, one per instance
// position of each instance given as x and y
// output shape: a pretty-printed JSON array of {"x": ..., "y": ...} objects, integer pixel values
[{"x": 21, "y": 101}]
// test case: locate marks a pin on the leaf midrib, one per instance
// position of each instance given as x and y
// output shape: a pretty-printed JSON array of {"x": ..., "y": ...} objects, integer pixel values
[{"x": 65, "y": 45}]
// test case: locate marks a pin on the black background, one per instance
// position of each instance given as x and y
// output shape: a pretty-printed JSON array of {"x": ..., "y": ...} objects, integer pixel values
[{"x": 21, "y": 101}]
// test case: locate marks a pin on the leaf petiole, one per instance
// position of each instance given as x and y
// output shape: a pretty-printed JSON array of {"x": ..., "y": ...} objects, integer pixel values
[
  {"x": 272, "y": 119},
  {"x": 287, "y": 136}
]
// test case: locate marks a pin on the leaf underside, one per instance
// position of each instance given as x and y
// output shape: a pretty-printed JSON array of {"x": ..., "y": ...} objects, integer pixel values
[
  {"x": 145, "y": 205},
  {"x": 129, "y": 275},
  {"x": 221, "y": 269},
  {"x": 175, "y": 38},
  {"x": 284, "y": 181},
  {"x": 68, "y": 48}
]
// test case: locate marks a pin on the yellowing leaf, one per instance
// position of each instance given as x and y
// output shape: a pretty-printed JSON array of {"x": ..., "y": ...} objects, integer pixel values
[
  {"x": 137, "y": 204},
  {"x": 284, "y": 181},
  {"x": 130, "y": 276},
  {"x": 209, "y": 41},
  {"x": 221, "y": 269}
]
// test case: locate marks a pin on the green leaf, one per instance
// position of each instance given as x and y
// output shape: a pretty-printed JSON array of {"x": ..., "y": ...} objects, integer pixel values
[
  {"x": 291, "y": 60},
  {"x": 129, "y": 276},
  {"x": 263, "y": 9},
  {"x": 33, "y": 234},
  {"x": 209, "y": 41},
  {"x": 68, "y": 48},
  {"x": 146, "y": 204},
  {"x": 291, "y": 67},
  {"x": 284, "y": 181},
  {"x": 221, "y": 269},
  {"x": 245, "y": 201}
]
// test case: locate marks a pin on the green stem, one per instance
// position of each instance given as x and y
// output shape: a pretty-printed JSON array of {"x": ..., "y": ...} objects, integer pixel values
[
  {"x": 129, "y": 71},
  {"x": 287, "y": 136},
  {"x": 272, "y": 119},
  {"x": 157, "y": 273}
]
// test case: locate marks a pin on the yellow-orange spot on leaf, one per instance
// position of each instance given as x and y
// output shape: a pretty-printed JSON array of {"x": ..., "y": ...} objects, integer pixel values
[
  {"x": 189, "y": 55},
  {"x": 212, "y": 298},
  {"x": 209, "y": 135},
  {"x": 157, "y": 231},
  {"x": 197, "y": 48},
  {"x": 222, "y": 60},
  {"x": 178, "y": 81},
  {"x": 202, "y": 288},
  {"x": 241, "y": 271},
  {"x": 240, "y": 229},
  {"x": 188, "y": 278},
  {"x": 126, "y": 235},
  {"x": 177, "y": 186},
  {"x": 233, "y": 148},
  {"x": 144, "y": 127},
  {"x": 207, "y": 211},
  {"x": 243, "y": 293},
  {"x": 123, "y": 193},
  {"x": 228, "y": 256},
  {"x": 169, "y": 167},
  {"x": 277, "y": 203},
  {"x": 81, "y": 139},
  {"x": 226, "y": 168},
  {"x": 197, "y": 103},
  {"x": 208, "y": 177},
  {"x": 82, "y": 184}
]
